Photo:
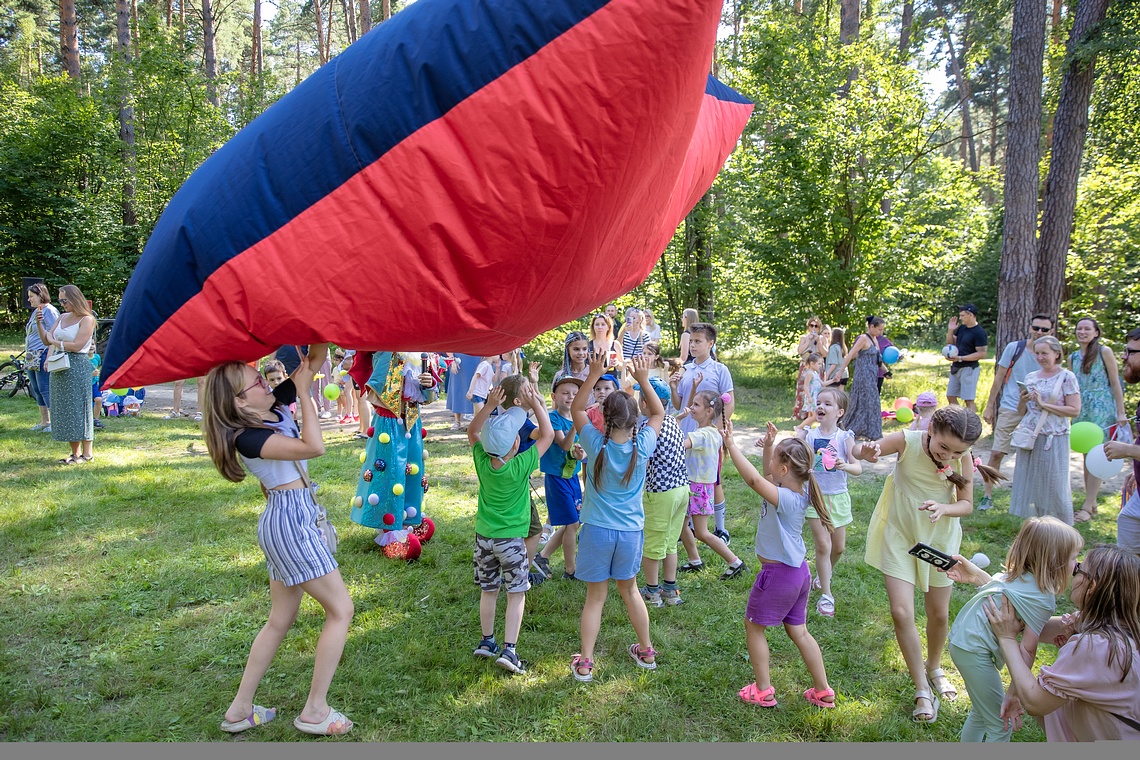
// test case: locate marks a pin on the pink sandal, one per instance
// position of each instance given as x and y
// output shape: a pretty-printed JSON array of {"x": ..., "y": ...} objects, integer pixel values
[
  {"x": 816, "y": 697},
  {"x": 752, "y": 695}
]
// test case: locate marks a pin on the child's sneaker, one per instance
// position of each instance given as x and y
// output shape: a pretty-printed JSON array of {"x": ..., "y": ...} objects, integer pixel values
[
  {"x": 671, "y": 596},
  {"x": 542, "y": 565},
  {"x": 536, "y": 579},
  {"x": 826, "y": 606},
  {"x": 987, "y": 502},
  {"x": 652, "y": 598},
  {"x": 723, "y": 536},
  {"x": 568, "y": 576},
  {"x": 509, "y": 660}
]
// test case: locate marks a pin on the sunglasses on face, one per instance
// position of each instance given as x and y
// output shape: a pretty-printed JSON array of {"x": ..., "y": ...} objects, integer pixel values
[
  {"x": 1037, "y": 329},
  {"x": 1129, "y": 351},
  {"x": 63, "y": 300}
]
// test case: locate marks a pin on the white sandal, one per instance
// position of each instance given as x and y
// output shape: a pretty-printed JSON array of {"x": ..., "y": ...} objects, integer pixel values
[
  {"x": 932, "y": 712},
  {"x": 942, "y": 684}
]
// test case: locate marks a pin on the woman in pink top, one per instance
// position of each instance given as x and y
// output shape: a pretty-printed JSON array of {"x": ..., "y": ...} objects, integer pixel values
[{"x": 1092, "y": 691}]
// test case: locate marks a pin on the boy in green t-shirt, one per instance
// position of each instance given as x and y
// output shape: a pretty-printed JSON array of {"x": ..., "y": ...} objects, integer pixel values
[{"x": 503, "y": 515}]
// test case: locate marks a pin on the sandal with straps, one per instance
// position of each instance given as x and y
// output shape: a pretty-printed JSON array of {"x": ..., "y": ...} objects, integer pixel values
[
  {"x": 70, "y": 460},
  {"x": 640, "y": 656},
  {"x": 752, "y": 695},
  {"x": 932, "y": 712},
  {"x": 942, "y": 684},
  {"x": 579, "y": 662}
]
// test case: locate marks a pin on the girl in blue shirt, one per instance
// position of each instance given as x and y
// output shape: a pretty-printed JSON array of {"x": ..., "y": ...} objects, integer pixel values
[
  {"x": 780, "y": 594},
  {"x": 613, "y": 520}
]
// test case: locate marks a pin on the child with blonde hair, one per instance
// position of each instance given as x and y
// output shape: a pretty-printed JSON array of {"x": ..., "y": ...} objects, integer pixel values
[{"x": 780, "y": 594}]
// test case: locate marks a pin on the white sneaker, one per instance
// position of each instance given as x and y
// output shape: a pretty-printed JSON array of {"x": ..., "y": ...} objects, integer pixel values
[
  {"x": 326, "y": 415},
  {"x": 38, "y": 428}
]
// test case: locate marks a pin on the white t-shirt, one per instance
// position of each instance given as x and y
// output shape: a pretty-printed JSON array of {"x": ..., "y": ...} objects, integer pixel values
[{"x": 481, "y": 382}]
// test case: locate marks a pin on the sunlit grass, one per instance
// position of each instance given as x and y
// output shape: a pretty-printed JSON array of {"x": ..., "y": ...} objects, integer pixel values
[{"x": 132, "y": 589}]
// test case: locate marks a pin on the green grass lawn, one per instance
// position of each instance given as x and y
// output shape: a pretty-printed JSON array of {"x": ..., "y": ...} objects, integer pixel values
[{"x": 133, "y": 587}]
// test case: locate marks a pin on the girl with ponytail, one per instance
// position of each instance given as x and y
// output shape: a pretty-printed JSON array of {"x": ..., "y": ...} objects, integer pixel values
[
  {"x": 613, "y": 519},
  {"x": 923, "y": 500},
  {"x": 780, "y": 594}
]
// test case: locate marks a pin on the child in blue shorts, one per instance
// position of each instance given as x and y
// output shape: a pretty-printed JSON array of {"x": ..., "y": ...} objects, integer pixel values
[
  {"x": 560, "y": 465},
  {"x": 613, "y": 519}
]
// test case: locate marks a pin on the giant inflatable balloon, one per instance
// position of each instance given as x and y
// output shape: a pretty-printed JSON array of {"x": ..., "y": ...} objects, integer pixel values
[{"x": 438, "y": 185}]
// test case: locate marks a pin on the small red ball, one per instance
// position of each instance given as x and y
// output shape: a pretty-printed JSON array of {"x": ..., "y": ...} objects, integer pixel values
[
  {"x": 389, "y": 519},
  {"x": 423, "y": 433},
  {"x": 371, "y": 430}
]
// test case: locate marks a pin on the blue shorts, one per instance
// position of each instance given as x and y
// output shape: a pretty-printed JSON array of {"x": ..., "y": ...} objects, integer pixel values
[
  {"x": 604, "y": 554},
  {"x": 293, "y": 546},
  {"x": 478, "y": 399},
  {"x": 563, "y": 499}
]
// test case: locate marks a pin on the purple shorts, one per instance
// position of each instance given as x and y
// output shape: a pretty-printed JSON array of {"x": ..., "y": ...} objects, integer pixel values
[
  {"x": 701, "y": 498},
  {"x": 779, "y": 595}
]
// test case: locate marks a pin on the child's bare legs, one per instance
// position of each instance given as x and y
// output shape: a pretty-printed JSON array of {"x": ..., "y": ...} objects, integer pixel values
[
  {"x": 176, "y": 409},
  {"x": 531, "y": 543},
  {"x": 901, "y": 597},
  {"x": 477, "y": 405},
  {"x": 758, "y": 654},
  {"x": 516, "y": 603},
  {"x": 638, "y": 613},
  {"x": 690, "y": 542},
  {"x": 1092, "y": 489},
  {"x": 937, "y": 603},
  {"x": 487, "y": 602},
  {"x": 365, "y": 415},
  {"x": 330, "y": 593},
  {"x": 829, "y": 548},
  {"x": 702, "y": 534},
  {"x": 669, "y": 567},
  {"x": 567, "y": 537},
  {"x": 651, "y": 568},
  {"x": 592, "y": 616},
  {"x": 813, "y": 657}
]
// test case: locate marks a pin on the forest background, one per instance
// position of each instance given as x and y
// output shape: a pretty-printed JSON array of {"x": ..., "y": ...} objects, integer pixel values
[{"x": 903, "y": 157}]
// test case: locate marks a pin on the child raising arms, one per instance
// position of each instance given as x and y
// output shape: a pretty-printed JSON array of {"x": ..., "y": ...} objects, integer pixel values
[
  {"x": 613, "y": 521},
  {"x": 246, "y": 422},
  {"x": 702, "y": 460},
  {"x": 780, "y": 593},
  {"x": 923, "y": 500}
]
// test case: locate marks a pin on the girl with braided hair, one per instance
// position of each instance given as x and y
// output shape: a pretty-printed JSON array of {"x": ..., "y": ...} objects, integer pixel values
[
  {"x": 613, "y": 519},
  {"x": 923, "y": 500},
  {"x": 702, "y": 458}
]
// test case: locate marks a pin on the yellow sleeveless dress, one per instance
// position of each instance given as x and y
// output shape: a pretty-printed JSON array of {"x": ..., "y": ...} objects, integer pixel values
[{"x": 898, "y": 523}]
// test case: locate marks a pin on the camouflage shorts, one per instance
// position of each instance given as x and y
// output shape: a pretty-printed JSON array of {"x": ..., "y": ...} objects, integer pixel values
[{"x": 501, "y": 560}]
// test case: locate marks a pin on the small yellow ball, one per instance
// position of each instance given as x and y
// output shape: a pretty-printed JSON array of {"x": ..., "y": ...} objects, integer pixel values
[
  {"x": 413, "y": 469},
  {"x": 357, "y": 502},
  {"x": 384, "y": 438},
  {"x": 362, "y": 457},
  {"x": 397, "y": 489}
]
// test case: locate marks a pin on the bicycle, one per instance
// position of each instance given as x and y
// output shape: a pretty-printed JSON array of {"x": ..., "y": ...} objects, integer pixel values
[{"x": 14, "y": 376}]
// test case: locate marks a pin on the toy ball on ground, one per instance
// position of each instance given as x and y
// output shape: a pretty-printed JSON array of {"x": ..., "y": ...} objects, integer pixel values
[
  {"x": 424, "y": 531},
  {"x": 332, "y": 392},
  {"x": 1084, "y": 436},
  {"x": 904, "y": 414},
  {"x": 950, "y": 352},
  {"x": 1100, "y": 465},
  {"x": 903, "y": 401},
  {"x": 890, "y": 355}
]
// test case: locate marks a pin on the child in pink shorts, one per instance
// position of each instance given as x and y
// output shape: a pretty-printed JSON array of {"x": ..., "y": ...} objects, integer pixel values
[{"x": 702, "y": 460}]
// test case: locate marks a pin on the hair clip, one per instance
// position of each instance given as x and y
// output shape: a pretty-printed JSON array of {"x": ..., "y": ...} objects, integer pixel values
[
  {"x": 977, "y": 462},
  {"x": 724, "y": 397}
]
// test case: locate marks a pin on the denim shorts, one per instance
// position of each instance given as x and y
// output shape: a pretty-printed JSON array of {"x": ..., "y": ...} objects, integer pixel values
[
  {"x": 478, "y": 399},
  {"x": 604, "y": 554}
]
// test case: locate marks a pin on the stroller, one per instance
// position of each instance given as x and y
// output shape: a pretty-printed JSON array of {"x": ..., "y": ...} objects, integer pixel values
[{"x": 126, "y": 402}]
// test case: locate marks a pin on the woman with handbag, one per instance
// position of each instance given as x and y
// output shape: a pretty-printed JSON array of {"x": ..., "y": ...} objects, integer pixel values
[
  {"x": 1050, "y": 399},
  {"x": 69, "y": 365},
  {"x": 36, "y": 352},
  {"x": 245, "y": 421}
]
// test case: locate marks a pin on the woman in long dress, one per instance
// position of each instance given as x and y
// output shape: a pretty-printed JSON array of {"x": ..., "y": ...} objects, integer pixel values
[
  {"x": 864, "y": 415},
  {"x": 462, "y": 370},
  {"x": 813, "y": 341},
  {"x": 1049, "y": 401}
]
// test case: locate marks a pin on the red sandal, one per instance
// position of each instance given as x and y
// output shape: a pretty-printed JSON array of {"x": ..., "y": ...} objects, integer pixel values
[
  {"x": 816, "y": 697},
  {"x": 752, "y": 695},
  {"x": 578, "y": 661}
]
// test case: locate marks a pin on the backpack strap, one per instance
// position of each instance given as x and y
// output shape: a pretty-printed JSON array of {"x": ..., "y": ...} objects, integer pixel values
[{"x": 1017, "y": 352}]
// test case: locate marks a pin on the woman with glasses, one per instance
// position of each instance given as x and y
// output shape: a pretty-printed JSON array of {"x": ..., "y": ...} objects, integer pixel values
[
  {"x": 813, "y": 341},
  {"x": 1102, "y": 397},
  {"x": 72, "y": 334},
  {"x": 1091, "y": 692}
]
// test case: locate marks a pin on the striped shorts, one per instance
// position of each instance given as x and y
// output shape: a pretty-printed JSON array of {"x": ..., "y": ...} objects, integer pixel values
[{"x": 287, "y": 532}]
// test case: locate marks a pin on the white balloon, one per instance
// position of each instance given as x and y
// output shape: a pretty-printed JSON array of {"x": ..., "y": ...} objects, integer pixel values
[{"x": 1099, "y": 465}]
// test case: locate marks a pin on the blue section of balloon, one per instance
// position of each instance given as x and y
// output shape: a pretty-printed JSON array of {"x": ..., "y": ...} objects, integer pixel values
[{"x": 890, "y": 355}]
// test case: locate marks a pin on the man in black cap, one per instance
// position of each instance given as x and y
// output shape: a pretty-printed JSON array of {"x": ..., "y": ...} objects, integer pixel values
[{"x": 969, "y": 342}]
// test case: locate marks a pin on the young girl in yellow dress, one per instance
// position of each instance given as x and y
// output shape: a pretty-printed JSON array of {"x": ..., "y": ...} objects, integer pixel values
[{"x": 923, "y": 500}]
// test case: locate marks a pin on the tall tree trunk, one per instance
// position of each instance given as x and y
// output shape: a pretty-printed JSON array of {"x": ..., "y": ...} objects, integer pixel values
[
  {"x": 256, "y": 59},
  {"x": 169, "y": 13},
  {"x": 328, "y": 34},
  {"x": 126, "y": 118},
  {"x": 365, "y": 17},
  {"x": 848, "y": 21},
  {"x": 349, "y": 10},
  {"x": 798, "y": 7},
  {"x": 1070, "y": 126},
  {"x": 69, "y": 38},
  {"x": 1055, "y": 22},
  {"x": 322, "y": 54},
  {"x": 1017, "y": 281},
  {"x": 698, "y": 254},
  {"x": 210, "y": 57},
  {"x": 385, "y": 10},
  {"x": 182, "y": 14},
  {"x": 135, "y": 28},
  {"x": 967, "y": 147},
  {"x": 905, "y": 30}
]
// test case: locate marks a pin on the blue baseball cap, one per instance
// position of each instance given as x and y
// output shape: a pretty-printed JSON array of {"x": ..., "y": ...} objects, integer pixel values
[
  {"x": 659, "y": 387},
  {"x": 611, "y": 377}
]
